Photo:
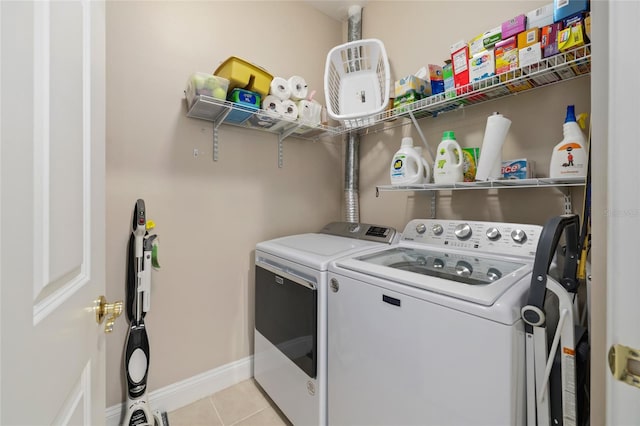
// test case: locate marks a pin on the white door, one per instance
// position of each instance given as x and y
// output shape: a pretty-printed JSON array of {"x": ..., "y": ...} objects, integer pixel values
[
  {"x": 52, "y": 205},
  {"x": 615, "y": 100}
]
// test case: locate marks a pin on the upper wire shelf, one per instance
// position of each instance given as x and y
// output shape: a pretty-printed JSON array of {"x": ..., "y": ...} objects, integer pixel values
[{"x": 555, "y": 69}]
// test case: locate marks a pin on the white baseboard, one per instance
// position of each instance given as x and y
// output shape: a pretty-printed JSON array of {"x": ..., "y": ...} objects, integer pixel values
[{"x": 190, "y": 390}]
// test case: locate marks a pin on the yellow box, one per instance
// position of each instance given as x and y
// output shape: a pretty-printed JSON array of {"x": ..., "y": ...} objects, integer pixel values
[
  {"x": 244, "y": 75},
  {"x": 571, "y": 37},
  {"x": 506, "y": 55},
  {"x": 528, "y": 37}
]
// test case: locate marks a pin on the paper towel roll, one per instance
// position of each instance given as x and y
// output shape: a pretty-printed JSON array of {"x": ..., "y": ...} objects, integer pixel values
[
  {"x": 297, "y": 87},
  {"x": 273, "y": 105},
  {"x": 280, "y": 87},
  {"x": 290, "y": 109},
  {"x": 491, "y": 151},
  {"x": 309, "y": 112}
]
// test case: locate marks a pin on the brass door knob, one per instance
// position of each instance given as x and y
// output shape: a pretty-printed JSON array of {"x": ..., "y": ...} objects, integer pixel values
[{"x": 111, "y": 311}]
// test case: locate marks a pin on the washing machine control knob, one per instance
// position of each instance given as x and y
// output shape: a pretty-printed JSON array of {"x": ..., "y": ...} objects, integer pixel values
[
  {"x": 462, "y": 231},
  {"x": 493, "y": 234},
  {"x": 464, "y": 269},
  {"x": 437, "y": 229},
  {"x": 519, "y": 236},
  {"x": 421, "y": 228}
]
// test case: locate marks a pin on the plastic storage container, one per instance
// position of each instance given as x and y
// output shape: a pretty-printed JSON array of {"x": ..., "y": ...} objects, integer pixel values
[
  {"x": 356, "y": 81},
  {"x": 245, "y": 75},
  {"x": 201, "y": 83},
  {"x": 247, "y": 103}
]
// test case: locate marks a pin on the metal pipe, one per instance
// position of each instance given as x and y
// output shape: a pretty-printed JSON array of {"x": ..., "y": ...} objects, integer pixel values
[
  {"x": 351, "y": 178},
  {"x": 352, "y": 155}
]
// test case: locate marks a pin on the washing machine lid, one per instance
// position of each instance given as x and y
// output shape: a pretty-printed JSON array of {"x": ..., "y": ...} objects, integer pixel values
[
  {"x": 466, "y": 276},
  {"x": 314, "y": 250}
]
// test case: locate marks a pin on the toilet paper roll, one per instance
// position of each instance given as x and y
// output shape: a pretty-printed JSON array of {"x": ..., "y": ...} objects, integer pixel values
[
  {"x": 491, "y": 150},
  {"x": 297, "y": 87},
  {"x": 279, "y": 87},
  {"x": 309, "y": 112},
  {"x": 290, "y": 109},
  {"x": 273, "y": 105}
]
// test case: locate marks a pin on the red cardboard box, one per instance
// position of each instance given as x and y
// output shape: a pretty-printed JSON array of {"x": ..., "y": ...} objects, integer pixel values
[{"x": 460, "y": 61}]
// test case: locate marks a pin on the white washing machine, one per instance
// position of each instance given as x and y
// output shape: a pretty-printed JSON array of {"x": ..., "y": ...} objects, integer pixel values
[
  {"x": 290, "y": 360},
  {"x": 428, "y": 331}
]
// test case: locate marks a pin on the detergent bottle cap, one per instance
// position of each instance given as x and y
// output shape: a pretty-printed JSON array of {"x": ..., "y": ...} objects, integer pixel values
[
  {"x": 449, "y": 134},
  {"x": 407, "y": 141},
  {"x": 571, "y": 114}
]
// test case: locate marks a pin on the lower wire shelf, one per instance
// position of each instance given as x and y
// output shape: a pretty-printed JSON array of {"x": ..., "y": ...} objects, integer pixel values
[{"x": 490, "y": 184}]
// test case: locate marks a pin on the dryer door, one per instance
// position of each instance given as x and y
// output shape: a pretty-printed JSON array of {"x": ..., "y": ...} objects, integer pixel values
[{"x": 286, "y": 314}]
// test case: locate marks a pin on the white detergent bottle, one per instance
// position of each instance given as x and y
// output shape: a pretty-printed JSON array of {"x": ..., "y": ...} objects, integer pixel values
[
  {"x": 449, "y": 165},
  {"x": 426, "y": 175},
  {"x": 569, "y": 158},
  {"x": 406, "y": 167}
]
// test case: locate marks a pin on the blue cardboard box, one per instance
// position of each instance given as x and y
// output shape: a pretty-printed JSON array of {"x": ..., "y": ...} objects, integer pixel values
[{"x": 564, "y": 8}]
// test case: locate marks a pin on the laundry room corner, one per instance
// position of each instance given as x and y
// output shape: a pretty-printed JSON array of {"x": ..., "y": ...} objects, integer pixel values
[
  {"x": 537, "y": 117},
  {"x": 208, "y": 214}
]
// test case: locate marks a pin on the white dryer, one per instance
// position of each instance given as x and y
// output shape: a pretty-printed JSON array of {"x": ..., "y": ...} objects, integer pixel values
[
  {"x": 428, "y": 331},
  {"x": 290, "y": 353}
]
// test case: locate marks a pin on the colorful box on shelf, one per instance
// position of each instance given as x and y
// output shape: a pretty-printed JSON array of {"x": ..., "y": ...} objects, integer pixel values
[
  {"x": 447, "y": 77},
  {"x": 549, "y": 39},
  {"x": 249, "y": 103},
  {"x": 541, "y": 17},
  {"x": 460, "y": 61},
  {"x": 482, "y": 65},
  {"x": 514, "y": 26},
  {"x": 485, "y": 41},
  {"x": 201, "y": 83},
  {"x": 245, "y": 75},
  {"x": 413, "y": 84},
  {"x": 528, "y": 37},
  {"x": 517, "y": 169},
  {"x": 436, "y": 79},
  {"x": 564, "y": 8},
  {"x": 530, "y": 55},
  {"x": 411, "y": 89},
  {"x": 571, "y": 37},
  {"x": 506, "y": 55}
]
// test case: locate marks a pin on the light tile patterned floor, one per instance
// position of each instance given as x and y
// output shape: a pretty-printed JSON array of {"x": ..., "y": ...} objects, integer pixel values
[{"x": 244, "y": 404}]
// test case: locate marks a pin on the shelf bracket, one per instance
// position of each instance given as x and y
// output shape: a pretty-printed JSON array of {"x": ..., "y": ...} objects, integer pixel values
[
  {"x": 281, "y": 137},
  {"x": 568, "y": 208},
  {"x": 422, "y": 137},
  {"x": 216, "y": 124},
  {"x": 434, "y": 199}
]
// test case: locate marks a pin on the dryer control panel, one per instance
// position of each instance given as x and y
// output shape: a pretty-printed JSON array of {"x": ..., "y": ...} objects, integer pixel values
[{"x": 515, "y": 239}]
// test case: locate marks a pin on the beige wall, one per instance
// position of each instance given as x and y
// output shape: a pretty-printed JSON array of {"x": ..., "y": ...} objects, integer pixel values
[{"x": 211, "y": 215}]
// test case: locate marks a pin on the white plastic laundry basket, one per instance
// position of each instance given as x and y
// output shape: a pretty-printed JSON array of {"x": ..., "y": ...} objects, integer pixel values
[{"x": 356, "y": 81}]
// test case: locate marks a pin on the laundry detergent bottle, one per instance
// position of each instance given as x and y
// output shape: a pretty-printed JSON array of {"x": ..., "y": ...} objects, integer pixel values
[
  {"x": 449, "y": 165},
  {"x": 569, "y": 158},
  {"x": 406, "y": 166},
  {"x": 427, "y": 169}
]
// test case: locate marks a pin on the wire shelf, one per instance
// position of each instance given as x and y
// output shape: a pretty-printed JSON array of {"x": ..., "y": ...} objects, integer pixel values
[
  {"x": 562, "y": 67},
  {"x": 491, "y": 184}
]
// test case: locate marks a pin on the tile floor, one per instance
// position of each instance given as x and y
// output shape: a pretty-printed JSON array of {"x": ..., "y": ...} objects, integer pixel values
[{"x": 244, "y": 404}]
